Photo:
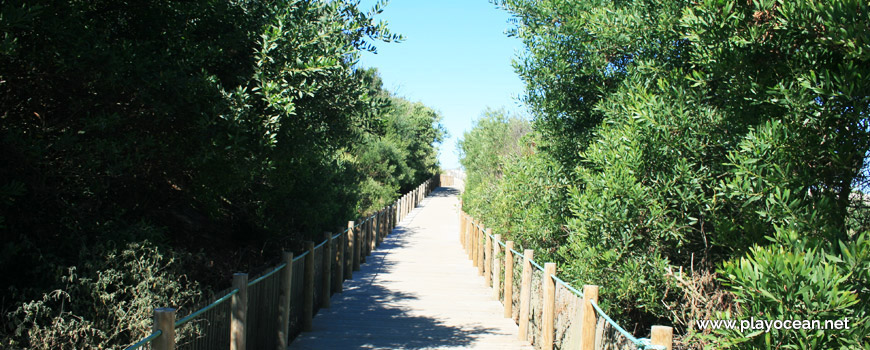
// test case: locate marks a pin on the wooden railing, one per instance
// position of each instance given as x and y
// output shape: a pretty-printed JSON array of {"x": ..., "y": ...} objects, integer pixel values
[
  {"x": 267, "y": 312},
  {"x": 550, "y": 312}
]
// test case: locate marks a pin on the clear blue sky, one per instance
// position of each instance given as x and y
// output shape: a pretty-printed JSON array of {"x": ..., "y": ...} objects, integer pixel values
[{"x": 455, "y": 59}]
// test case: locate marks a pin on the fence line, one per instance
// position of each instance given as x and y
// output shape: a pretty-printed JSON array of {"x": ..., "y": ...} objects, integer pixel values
[
  {"x": 537, "y": 301},
  {"x": 246, "y": 315}
]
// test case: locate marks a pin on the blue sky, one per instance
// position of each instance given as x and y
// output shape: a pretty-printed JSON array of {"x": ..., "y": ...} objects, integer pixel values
[{"x": 455, "y": 59}]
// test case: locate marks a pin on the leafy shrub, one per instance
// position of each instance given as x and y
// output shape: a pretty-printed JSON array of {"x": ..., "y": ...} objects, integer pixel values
[
  {"x": 807, "y": 280},
  {"x": 107, "y": 301}
]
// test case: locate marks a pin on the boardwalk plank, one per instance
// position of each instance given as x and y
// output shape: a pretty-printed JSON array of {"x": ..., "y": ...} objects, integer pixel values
[{"x": 417, "y": 291}]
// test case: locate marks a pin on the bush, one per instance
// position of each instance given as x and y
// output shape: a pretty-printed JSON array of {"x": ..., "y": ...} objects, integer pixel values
[
  {"x": 107, "y": 301},
  {"x": 807, "y": 280}
]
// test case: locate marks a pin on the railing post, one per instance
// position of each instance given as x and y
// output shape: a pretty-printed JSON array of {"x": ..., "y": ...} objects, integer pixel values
[
  {"x": 326, "y": 291},
  {"x": 461, "y": 228},
  {"x": 548, "y": 333},
  {"x": 508, "y": 279},
  {"x": 164, "y": 321},
  {"x": 239, "y": 304},
  {"x": 662, "y": 336},
  {"x": 480, "y": 249},
  {"x": 371, "y": 235},
  {"x": 496, "y": 269},
  {"x": 526, "y": 294},
  {"x": 358, "y": 233},
  {"x": 469, "y": 232},
  {"x": 589, "y": 318},
  {"x": 340, "y": 247},
  {"x": 379, "y": 225},
  {"x": 363, "y": 240},
  {"x": 349, "y": 253},
  {"x": 475, "y": 241},
  {"x": 308, "y": 295},
  {"x": 375, "y": 232},
  {"x": 487, "y": 258},
  {"x": 284, "y": 301}
]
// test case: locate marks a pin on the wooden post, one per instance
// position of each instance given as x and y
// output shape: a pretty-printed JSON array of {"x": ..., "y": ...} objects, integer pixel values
[
  {"x": 496, "y": 269},
  {"x": 480, "y": 249},
  {"x": 469, "y": 232},
  {"x": 508, "y": 280},
  {"x": 379, "y": 228},
  {"x": 349, "y": 253},
  {"x": 370, "y": 236},
  {"x": 526, "y": 294},
  {"x": 475, "y": 241},
  {"x": 284, "y": 301},
  {"x": 326, "y": 291},
  {"x": 487, "y": 258},
  {"x": 471, "y": 240},
  {"x": 341, "y": 247},
  {"x": 239, "y": 305},
  {"x": 308, "y": 295},
  {"x": 548, "y": 333},
  {"x": 663, "y": 336},
  {"x": 357, "y": 246},
  {"x": 462, "y": 229},
  {"x": 390, "y": 223},
  {"x": 363, "y": 241},
  {"x": 375, "y": 232},
  {"x": 164, "y": 321},
  {"x": 589, "y": 318}
]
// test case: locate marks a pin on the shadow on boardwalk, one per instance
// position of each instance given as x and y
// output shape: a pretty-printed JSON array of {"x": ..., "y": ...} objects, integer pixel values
[
  {"x": 374, "y": 313},
  {"x": 445, "y": 192}
]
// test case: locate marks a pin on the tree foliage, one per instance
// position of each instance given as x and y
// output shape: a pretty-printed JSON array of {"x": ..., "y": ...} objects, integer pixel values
[
  {"x": 194, "y": 125},
  {"x": 710, "y": 135}
]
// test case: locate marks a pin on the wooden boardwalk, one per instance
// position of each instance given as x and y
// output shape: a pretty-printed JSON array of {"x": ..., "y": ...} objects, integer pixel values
[{"x": 417, "y": 291}]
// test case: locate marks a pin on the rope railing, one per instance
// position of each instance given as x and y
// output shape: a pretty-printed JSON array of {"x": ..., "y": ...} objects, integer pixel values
[
  {"x": 300, "y": 256},
  {"x": 332, "y": 261},
  {"x": 270, "y": 273},
  {"x": 214, "y": 304},
  {"x": 145, "y": 340},
  {"x": 478, "y": 242},
  {"x": 642, "y": 343},
  {"x": 568, "y": 286}
]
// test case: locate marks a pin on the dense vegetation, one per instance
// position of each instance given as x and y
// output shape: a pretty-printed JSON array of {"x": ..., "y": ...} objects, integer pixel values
[
  {"x": 724, "y": 139},
  {"x": 148, "y": 149}
]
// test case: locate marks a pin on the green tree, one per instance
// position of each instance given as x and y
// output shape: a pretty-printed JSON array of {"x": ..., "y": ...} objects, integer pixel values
[
  {"x": 196, "y": 126},
  {"x": 697, "y": 133}
]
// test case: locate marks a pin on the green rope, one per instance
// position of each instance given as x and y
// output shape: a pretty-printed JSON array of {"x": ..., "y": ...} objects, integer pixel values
[
  {"x": 266, "y": 275},
  {"x": 642, "y": 343},
  {"x": 536, "y": 265},
  {"x": 224, "y": 298},
  {"x": 300, "y": 256},
  {"x": 146, "y": 340},
  {"x": 568, "y": 286},
  {"x": 321, "y": 244},
  {"x": 530, "y": 260}
]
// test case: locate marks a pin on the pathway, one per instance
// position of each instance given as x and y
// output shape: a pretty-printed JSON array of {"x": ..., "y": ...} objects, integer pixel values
[{"x": 417, "y": 291}]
